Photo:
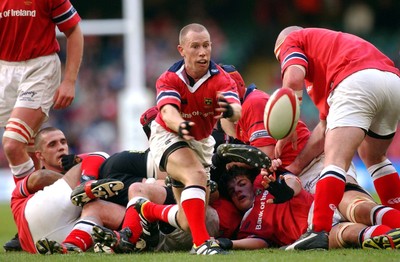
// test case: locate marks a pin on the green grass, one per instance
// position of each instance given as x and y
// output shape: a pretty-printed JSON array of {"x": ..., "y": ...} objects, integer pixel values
[{"x": 8, "y": 229}]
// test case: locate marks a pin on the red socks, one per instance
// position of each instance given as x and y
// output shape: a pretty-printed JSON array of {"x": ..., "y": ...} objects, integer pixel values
[
  {"x": 388, "y": 189},
  {"x": 90, "y": 166},
  {"x": 388, "y": 216},
  {"x": 193, "y": 203},
  {"x": 132, "y": 220},
  {"x": 79, "y": 238},
  {"x": 153, "y": 212},
  {"x": 387, "y": 183},
  {"x": 373, "y": 231},
  {"x": 328, "y": 194}
]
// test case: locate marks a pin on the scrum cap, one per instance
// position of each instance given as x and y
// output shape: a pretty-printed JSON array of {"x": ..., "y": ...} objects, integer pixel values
[
  {"x": 235, "y": 75},
  {"x": 147, "y": 117}
]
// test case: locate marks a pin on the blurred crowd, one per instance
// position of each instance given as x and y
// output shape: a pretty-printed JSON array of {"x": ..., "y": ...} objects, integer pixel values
[{"x": 242, "y": 32}]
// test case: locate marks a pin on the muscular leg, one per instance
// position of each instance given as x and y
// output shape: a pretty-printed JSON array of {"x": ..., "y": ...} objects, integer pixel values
[
  {"x": 386, "y": 179},
  {"x": 340, "y": 147},
  {"x": 356, "y": 207},
  {"x": 16, "y": 137},
  {"x": 93, "y": 213},
  {"x": 345, "y": 235},
  {"x": 194, "y": 196}
]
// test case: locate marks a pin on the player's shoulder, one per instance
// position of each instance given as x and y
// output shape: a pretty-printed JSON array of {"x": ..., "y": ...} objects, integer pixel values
[
  {"x": 219, "y": 75},
  {"x": 256, "y": 96},
  {"x": 172, "y": 73},
  {"x": 220, "y": 70},
  {"x": 175, "y": 67}
]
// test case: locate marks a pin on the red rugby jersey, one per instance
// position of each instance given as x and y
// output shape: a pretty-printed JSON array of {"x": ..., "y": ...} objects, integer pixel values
[
  {"x": 196, "y": 103},
  {"x": 329, "y": 57},
  {"x": 19, "y": 199},
  {"x": 27, "y": 28},
  {"x": 250, "y": 128},
  {"x": 278, "y": 224}
]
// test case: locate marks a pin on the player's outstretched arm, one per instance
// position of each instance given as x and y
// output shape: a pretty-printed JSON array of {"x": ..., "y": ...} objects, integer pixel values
[{"x": 245, "y": 243}]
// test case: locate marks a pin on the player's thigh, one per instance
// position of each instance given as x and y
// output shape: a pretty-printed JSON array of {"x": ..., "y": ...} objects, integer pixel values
[
  {"x": 341, "y": 144},
  {"x": 50, "y": 212},
  {"x": 183, "y": 165},
  {"x": 373, "y": 150},
  {"x": 32, "y": 117},
  {"x": 110, "y": 214}
]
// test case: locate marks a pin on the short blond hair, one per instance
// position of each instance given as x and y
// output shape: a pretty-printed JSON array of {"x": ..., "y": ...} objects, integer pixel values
[{"x": 190, "y": 27}]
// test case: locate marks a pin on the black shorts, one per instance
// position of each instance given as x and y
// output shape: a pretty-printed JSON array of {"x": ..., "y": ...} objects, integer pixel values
[{"x": 127, "y": 166}]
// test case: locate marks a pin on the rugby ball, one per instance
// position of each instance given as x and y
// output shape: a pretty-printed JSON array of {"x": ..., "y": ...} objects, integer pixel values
[{"x": 281, "y": 113}]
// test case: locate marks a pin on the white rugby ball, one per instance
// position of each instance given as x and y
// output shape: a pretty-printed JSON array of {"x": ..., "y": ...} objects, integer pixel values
[{"x": 281, "y": 113}]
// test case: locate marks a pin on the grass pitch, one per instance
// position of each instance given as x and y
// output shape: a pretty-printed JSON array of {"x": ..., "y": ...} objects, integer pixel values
[{"x": 8, "y": 230}]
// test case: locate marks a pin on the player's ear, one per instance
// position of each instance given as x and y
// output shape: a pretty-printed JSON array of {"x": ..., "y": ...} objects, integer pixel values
[
  {"x": 180, "y": 50},
  {"x": 38, "y": 155}
]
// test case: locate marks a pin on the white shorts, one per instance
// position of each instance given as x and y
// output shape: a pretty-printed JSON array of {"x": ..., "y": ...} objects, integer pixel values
[
  {"x": 368, "y": 99},
  {"x": 161, "y": 140},
  {"x": 50, "y": 212},
  {"x": 28, "y": 84},
  {"x": 310, "y": 174}
]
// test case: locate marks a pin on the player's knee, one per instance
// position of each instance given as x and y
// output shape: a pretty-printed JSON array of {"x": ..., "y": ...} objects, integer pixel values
[
  {"x": 371, "y": 157},
  {"x": 136, "y": 189},
  {"x": 198, "y": 176},
  {"x": 13, "y": 147},
  {"x": 358, "y": 211}
]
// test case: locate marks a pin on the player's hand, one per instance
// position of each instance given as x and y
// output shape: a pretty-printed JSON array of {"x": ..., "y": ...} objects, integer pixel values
[
  {"x": 224, "y": 107},
  {"x": 278, "y": 188},
  {"x": 184, "y": 130},
  {"x": 64, "y": 95},
  {"x": 68, "y": 161},
  {"x": 275, "y": 164},
  {"x": 225, "y": 243}
]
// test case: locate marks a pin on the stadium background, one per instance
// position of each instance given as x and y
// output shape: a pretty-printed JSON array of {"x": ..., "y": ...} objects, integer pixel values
[{"x": 243, "y": 34}]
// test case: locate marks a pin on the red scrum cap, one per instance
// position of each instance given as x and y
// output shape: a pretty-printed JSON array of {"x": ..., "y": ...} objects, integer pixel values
[
  {"x": 235, "y": 75},
  {"x": 146, "y": 118}
]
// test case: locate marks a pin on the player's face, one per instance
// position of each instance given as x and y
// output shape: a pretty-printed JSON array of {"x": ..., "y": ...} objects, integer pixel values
[
  {"x": 196, "y": 51},
  {"x": 240, "y": 189},
  {"x": 54, "y": 146}
]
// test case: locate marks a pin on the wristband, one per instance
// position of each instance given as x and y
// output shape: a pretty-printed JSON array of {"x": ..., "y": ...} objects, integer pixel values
[{"x": 229, "y": 111}]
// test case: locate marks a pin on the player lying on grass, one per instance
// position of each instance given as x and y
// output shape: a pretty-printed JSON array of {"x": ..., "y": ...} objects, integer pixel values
[
  {"x": 250, "y": 129},
  {"x": 41, "y": 203},
  {"x": 128, "y": 238},
  {"x": 132, "y": 168},
  {"x": 125, "y": 234},
  {"x": 362, "y": 221}
]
